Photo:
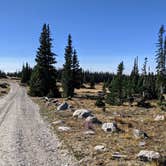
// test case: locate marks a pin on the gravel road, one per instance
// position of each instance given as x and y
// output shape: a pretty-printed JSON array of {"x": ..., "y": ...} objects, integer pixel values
[{"x": 25, "y": 139}]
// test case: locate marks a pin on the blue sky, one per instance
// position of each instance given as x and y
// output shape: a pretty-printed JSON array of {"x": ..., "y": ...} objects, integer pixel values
[{"x": 104, "y": 32}]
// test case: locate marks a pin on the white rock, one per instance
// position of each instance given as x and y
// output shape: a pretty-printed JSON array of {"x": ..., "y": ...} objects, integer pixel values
[
  {"x": 93, "y": 119},
  {"x": 100, "y": 148},
  {"x": 139, "y": 134},
  {"x": 63, "y": 128},
  {"x": 57, "y": 122},
  {"x": 117, "y": 155},
  {"x": 147, "y": 155},
  {"x": 89, "y": 132},
  {"x": 81, "y": 113},
  {"x": 110, "y": 127},
  {"x": 142, "y": 143},
  {"x": 62, "y": 106},
  {"x": 159, "y": 118}
]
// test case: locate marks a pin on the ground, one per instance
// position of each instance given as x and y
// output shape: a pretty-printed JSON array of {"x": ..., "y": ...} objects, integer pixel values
[
  {"x": 25, "y": 139},
  {"x": 127, "y": 118}
]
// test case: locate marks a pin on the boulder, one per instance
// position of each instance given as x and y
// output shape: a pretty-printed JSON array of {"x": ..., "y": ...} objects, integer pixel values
[
  {"x": 62, "y": 106},
  {"x": 159, "y": 118},
  {"x": 146, "y": 155},
  {"x": 110, "y": 127},
  {"x": 63, "y": 128},
  {"x": 140, "y": 134},
  {"x": 93, "y": 119},
  {"x": 100, "y": 148},
  {"x": 82, "y": 113}
]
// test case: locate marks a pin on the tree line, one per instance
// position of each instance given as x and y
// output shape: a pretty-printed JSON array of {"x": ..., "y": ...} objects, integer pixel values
[{"x": 43, "y": 77}]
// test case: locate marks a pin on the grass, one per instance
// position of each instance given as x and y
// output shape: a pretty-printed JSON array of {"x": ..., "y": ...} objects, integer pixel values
[
  {"x": 4, "y": 91},
  {"x": 127, "y": 118}
]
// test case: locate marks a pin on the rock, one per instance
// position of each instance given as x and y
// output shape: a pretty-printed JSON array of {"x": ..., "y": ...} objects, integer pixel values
[
  {"x": 117, "y": 155},
  {"x": 55, "y": 101},
  {"x": 142, "y": 143},
  {"x": 89, "y": 132},
  {"x": 159, "y": 118},
  {"x": 4, "y": 85},
  {"x": 146, "y": 155},
  {"x": 100, "y": 148},
  {"x": 110, "y": 127},
  {"x": 62, "y": 106},
  {"x": 93, "y": 119},
  {"x": 63, "y": 128},
  {"x": 82, "y": 113},
  {"x": 58, "y": 122},
  {"x": 46, "y": 98},
  {"x": 140, "y": 134}
]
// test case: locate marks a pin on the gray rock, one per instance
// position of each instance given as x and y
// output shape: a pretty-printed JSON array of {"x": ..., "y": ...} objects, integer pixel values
[
  {"x": 110, "y": 127},
  {"x": 140, "y": 134},
  {"x": 142, "y": 143},
  {"x": 63, "y": 128},
  {"x": 100, "y": 148},
  {"x": 146, "y": 155},
  {"x": 93, "y": 119},
  {"x": 62, "y": 106},
  {"x": 58, "y": 122},
  {"x": 89, "y": 132},
  {"x": 82, "y": 113},
  {"x": 159, "y": 118},
  {"x": 117, "y": 155}
]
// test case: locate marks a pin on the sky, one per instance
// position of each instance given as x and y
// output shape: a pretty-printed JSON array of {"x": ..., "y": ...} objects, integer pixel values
[{"x": 104, "y": 32}]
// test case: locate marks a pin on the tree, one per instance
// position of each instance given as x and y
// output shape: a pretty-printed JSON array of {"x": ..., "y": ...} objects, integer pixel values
[
  {"x": 77, "y": 72},
  {"x": 43, "y": 80},
  {"x": 67, "y": 74},
  {"x": 26, "y": 73},
  {"x": 117, "y": 87},
  {"x": 161, "y": 60},
  {"x": 134, "y": 77}
]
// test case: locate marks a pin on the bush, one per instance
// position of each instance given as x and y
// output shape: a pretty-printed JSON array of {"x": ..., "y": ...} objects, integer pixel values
[{"x": 99, "y": 102}]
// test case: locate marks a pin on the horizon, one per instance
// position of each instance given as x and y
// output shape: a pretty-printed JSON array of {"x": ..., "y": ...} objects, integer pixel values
[{"x": 104, "y": 34}]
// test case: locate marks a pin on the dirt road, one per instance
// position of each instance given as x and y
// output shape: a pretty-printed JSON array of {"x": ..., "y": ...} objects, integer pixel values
[{"x": 25, "y": 140}]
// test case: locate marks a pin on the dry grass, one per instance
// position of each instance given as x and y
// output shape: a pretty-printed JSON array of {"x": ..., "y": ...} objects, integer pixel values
[
  {"x": 127, "y": 118},
  {"x": 4, "y": 91}
]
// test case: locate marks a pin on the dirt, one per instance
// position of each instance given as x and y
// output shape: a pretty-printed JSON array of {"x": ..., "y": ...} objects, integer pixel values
[{"x": 25, "y": 139}]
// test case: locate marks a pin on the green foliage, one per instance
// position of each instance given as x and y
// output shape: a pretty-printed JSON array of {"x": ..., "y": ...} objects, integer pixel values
[
  {"x": 26, "y": 73},
  {"x": 99, "y": 102},
  {"x": 43, "y": 79},
  {"x": 72, "y": 73},
  {"x": 67, "y": 74}
]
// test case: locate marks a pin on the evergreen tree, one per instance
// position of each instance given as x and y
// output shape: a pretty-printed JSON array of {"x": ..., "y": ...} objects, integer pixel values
[
  {"x": 26, "y": 73},
  {"x": 134, "y": 77},
  {"x": 116, "y": 88},
  {"x": 67, "y": 74},
  {"x": 160, "y": 60},
  {"x": 43, "y": 80},
  {"x": 77, "y": 72}
]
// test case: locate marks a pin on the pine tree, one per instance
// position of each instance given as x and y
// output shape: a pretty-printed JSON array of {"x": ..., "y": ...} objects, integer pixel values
[
  {"x": 134, "y": 77},
  {"x": 26, "y": 73},
  {"x": 67, "y": 75},
  {"x": 117, "y": 87},
  {"x": 77, "y": 72},
  {"x": 160, "y": 60},
  {"x": 43, "y": 80}
]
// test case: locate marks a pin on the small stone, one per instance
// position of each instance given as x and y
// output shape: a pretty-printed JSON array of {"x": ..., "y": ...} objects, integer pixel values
[
  {"x": 62, "y": 106},
  {"x": 63, "y": 128},
  {"x": 57, "y": 122},
  {"x": 110, "y": 127},
  {"x": 146, "y": 155},
  {"x": 142, "y": 143},
  {"x": 93, "y": 119},
  {"x": 140, "y": 134},
  {"x": 159, "y": 118},
  {"x": 100, "y": 148},
  {"x": 89, "y": 132},
  {"x": 81, "y": 113},
  {"x": 117, "y": 155}
]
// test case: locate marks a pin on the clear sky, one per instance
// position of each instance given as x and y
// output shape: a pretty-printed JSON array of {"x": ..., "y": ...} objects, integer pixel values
[{"x": 104, "y": 32}]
